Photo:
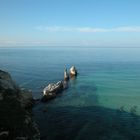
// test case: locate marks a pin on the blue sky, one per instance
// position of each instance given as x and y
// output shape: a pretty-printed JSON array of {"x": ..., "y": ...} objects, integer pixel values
[{"x": 109, "y": 23}]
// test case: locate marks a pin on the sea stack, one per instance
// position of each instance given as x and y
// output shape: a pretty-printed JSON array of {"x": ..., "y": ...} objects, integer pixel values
[
  {"x": 73, "y": 71},
  {"x": 66, "y": 76}
]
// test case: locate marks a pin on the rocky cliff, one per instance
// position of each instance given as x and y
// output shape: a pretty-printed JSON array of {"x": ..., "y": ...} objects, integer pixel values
[{"x": 15, "y": 111}]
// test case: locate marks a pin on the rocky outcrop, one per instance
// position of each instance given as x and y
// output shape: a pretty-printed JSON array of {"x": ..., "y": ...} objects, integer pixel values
[
  {"x": 52, "y": 90},
  {"x": 15, "y": 120},
  {"x": 73, "y": 71},
  {"x": 26, "y": 98},
  {"x": 66, "y": 76}
]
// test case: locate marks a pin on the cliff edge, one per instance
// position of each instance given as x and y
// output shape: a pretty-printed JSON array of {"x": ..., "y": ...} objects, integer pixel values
[{"x": 15, "y": 111}]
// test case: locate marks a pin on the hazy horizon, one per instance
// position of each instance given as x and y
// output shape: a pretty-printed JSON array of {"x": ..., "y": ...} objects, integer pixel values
[{"x": 70, "y": 23}]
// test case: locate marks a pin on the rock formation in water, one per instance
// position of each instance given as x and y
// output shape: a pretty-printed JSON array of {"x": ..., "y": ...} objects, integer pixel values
[
  {"x": 73, "y": 71},
  {"x": 66, "y": 76},
  {"x": 15, "y": 111},
  {"x": 51, "y": 90}
]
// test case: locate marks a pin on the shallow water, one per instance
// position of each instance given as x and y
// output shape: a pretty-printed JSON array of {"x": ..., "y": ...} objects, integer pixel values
[{"x": 101, "y": 103}]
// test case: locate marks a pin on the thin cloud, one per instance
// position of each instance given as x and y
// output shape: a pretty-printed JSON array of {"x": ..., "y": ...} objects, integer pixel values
[
  {"x": 26, "y": 42},
  {"x": 88, "y": 29}
]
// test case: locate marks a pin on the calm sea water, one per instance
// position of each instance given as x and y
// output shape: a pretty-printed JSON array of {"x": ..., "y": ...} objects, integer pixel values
[{"x": 102, "y": 103}]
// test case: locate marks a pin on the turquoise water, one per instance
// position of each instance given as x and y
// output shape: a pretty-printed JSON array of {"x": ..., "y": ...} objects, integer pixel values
[{"x": 102, "y": 103}]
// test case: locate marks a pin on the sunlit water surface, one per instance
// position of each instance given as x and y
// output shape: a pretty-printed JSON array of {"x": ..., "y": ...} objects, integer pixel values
[{"x": 102, "y": 103}]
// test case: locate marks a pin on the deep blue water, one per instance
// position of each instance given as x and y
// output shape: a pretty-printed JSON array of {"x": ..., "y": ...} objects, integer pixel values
[{"x": 102, "y": 103}]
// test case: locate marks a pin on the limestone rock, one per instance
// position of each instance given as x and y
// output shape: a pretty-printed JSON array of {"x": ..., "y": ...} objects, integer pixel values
[
  {"x": 66, "y": 76},
  {"x": 73, "y": 71},
  {"x": 51, "y": 90}
]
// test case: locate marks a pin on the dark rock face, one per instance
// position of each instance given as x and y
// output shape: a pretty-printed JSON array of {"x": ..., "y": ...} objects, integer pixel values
[
  {"x": 7, "y": 85},
  {"x": 9, "y": 89},
  {"x": 15, "y": 117}
]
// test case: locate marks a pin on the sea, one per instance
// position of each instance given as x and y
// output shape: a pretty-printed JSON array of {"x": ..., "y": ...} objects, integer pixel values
[{"x": 101, "y": 103}]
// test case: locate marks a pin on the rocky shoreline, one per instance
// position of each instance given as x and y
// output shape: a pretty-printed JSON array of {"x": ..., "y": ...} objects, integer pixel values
[
  {"x": 16, "y": 121},
  {"x": 16, "y": 104}
]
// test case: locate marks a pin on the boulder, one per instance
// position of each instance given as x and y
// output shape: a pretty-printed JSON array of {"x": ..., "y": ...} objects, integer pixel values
[{"x": 73, "y": 71}]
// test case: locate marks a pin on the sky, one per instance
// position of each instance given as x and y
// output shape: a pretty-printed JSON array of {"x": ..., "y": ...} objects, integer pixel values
[{"x": 97, "y": 23}]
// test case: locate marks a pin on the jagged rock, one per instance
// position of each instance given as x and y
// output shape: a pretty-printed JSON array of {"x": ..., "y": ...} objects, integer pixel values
[
  {"x": 15, "y": 118},
  {"x": 7, "y": 86},
  {"x": 26, "y": 98},
  {"x": 66, "y": 76},
  {"x": 73, "y": 71},
  {"x": 51, "y": 90}
]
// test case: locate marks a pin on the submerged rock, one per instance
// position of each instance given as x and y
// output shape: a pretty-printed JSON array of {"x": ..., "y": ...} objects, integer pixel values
[
  {"x": 73, "y": 71},
  {"x": 15, "y": 115},
  {"x": 48, "y": 97},
  {"x": 65, "y": 84}
]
